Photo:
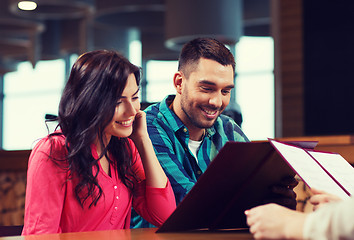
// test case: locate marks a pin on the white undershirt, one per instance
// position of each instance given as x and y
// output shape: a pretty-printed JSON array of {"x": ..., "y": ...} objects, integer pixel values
[{"x": 194, "y": 146}]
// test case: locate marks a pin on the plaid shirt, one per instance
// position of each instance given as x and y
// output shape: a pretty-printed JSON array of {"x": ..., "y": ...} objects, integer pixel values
[{"x": 170, "y": 139}]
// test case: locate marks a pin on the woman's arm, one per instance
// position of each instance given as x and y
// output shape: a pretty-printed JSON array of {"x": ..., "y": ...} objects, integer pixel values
[
  {"x": 153, "y": 199},
  {"x": 45, "y": 191},
  {"x": 154, "y": 174}
]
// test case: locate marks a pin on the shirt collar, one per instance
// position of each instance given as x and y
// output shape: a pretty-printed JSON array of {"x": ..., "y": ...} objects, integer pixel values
[{"x": 173, "y": 119}]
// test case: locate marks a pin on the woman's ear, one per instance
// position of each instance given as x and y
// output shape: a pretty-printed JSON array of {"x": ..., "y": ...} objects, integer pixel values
[{"x": 177, "y": 82}]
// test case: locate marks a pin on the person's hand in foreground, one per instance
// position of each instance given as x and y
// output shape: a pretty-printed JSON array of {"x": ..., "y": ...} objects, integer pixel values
[
  {"x": 321, "y": 198},
  {"x": 272, "y": 221}
]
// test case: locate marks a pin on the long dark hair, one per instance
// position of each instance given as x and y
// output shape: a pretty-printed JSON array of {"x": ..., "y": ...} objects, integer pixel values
[{"x": 87, "y": 106}]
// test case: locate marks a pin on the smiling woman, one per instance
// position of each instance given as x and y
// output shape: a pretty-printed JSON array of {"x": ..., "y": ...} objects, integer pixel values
[
  {"x": 127, "y": 107},
  {"x": 89, "y": 171}
]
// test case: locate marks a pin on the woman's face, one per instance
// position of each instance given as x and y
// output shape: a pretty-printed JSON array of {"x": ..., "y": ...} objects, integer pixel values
[{"x": 127, "y": 107}]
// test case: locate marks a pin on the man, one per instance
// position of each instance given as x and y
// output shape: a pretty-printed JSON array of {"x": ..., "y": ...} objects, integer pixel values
[{"x": 187, "y": 129}]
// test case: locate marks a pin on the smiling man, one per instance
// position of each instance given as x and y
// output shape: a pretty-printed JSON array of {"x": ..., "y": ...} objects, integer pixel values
[{"x": 188, "y": 129}]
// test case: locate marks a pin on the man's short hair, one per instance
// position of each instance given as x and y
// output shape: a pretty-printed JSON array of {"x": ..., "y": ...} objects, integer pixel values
[{"x": 207, "y": 48}]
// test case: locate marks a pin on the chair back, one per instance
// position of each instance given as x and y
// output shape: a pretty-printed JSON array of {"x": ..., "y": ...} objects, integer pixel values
[{"x": 10, "y": 230}]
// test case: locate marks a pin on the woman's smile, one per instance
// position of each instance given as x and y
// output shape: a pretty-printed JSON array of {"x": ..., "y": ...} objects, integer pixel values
[{"x": 126, "y": 123}]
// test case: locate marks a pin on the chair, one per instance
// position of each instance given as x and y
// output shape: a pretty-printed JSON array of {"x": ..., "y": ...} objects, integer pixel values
[{"x": 10, "y": 230}]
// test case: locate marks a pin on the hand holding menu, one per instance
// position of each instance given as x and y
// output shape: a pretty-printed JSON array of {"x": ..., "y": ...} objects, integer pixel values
[
  {"x": 241, "y": 175},
  {"x": 325, "y": 171}
]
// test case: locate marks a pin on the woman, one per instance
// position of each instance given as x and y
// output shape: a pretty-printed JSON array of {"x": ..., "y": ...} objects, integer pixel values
[{"x": 87, "y": 175}]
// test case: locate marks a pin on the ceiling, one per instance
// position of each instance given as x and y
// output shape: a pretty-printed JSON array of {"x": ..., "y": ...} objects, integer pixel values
[{"x": 57, "y": 28}]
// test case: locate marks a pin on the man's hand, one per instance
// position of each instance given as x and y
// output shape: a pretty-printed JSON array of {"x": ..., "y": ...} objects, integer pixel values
[{"x": 283, "y": 193}]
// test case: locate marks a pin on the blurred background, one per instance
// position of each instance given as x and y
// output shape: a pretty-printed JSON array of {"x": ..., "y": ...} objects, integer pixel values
[
  {"x": 294, "y": 67},
  {"x": 293, "y": 58}
]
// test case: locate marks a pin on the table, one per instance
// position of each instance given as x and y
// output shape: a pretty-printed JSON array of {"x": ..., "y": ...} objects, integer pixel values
[{"x": 137, "y": 234}]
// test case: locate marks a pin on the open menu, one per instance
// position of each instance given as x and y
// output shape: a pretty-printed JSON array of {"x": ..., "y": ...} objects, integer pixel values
[
  {"x": 325, "y": 171},
  {"x": 241, "y": 175}
]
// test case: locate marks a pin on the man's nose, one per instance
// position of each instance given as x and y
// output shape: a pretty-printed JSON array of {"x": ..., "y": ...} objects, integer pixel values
[{"x": 216, "y": 100}]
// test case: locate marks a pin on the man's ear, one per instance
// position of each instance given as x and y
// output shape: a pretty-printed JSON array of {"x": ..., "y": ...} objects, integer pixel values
[{"x": 177, "y": 82}]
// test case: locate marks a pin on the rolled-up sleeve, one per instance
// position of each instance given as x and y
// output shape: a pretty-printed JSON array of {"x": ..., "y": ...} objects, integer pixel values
[
  {"x": 154, "y": 204},
  {"x": 334, "y": 221}
]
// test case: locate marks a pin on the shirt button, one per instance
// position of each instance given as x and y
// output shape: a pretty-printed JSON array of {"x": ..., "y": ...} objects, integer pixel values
[
  {"x": 199, "y": 172},
  {"x": 117, "y": 197},
  {"x": 115, "y": 208},
  {"x": 184, "y": 129},
  {"x": 115, "y": 187}
]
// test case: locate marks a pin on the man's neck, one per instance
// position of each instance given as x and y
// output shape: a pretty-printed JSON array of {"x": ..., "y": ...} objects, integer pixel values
[{"x": 195, "y": 133}]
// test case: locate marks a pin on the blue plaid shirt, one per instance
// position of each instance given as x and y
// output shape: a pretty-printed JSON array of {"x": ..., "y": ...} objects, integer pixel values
[{"x": 170, "y": 139}]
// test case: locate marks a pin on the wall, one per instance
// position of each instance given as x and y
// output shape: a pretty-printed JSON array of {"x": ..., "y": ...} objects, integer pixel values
[
  {"x": 328, "y": 67},
  {"x": 314, "y": 80},
  {"x": 13, "y": 168},
  {"x": 288, "y": 67}
]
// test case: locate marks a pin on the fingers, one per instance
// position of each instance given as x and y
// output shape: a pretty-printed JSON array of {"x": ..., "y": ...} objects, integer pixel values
[
  {"x": 317, "y": 191},
  {"x": 272, "y": 221},
  {"x": 258, "y": 220},
  {"x": 140, "y": 115},
  {"x": 323, "y": 198},
  {"x": 251, "y": 218}
]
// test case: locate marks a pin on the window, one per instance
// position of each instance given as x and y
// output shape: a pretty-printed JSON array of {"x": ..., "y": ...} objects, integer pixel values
[
  {"x": 29, "y": 95},
  {"x": 159, "y": 75},
  {"x": 255, "y": 86}
]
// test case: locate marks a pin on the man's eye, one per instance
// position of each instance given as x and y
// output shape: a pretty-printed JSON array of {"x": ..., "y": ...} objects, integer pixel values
[
  {"x": 206, "y": 89},
  {"x": 226, "y": 92}
]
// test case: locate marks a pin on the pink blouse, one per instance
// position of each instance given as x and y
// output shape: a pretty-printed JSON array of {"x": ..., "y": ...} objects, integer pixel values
[{"x": 51, "y": 205}]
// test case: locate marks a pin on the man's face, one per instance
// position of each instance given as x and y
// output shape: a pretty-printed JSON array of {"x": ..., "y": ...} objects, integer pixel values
[{"x": 206, "y": 93}]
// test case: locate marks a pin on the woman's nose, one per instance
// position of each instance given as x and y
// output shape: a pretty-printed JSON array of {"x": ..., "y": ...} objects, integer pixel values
[{"x": 130, "y": 109}]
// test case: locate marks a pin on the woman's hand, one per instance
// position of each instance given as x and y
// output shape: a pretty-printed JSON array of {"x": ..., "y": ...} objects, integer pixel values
[
  {"x": 155, "y": 176},
  {"x": 139, "y": 127},
  {"x": 321, "y": 198}
]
